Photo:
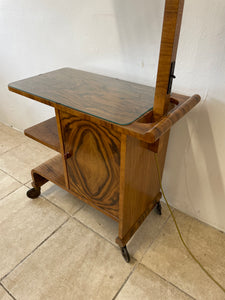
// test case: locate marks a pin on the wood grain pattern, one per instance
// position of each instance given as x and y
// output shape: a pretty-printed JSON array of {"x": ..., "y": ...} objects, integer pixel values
[
  {"x": 123, "y": 240},
  {"x": 51, "y": 170},
  {"x": 137, "y": 129},
  {"x": 167, "y": 122},
  {"x": 169, "y": 42},
  {"x": 62, "y": 149},
  {"x": 149, "y": 131},
  {"x": 45, "y": 133},
  {"x": 93, "y": 161},
  {"x": 140, "y": 184},
  {"x": 111, "y": 99}
]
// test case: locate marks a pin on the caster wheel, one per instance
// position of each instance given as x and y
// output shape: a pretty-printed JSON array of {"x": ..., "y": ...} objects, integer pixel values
[
  {"x": 34, "y": 193},
  {"x": 125, "y": 254},
  {"x": 159, "y": 208}
]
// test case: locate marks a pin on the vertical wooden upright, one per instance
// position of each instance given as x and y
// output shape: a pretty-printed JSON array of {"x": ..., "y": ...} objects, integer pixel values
[
  {"x": 168, "y": 51},
  {"x": 138, "y": 175}
]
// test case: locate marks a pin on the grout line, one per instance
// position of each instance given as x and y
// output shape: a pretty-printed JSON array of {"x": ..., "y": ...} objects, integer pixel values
[
  {"x": 12, "y": 176},
  {"x": 125, "y": 281},
  {"x": 85, "y": 225},
  {"x": 104, "y": 238},
  {"x": 26, "y": 183},
  {"x": 19, "y": 187},
  {"x": 73, "y": 217},
  {"x": 14, "y": 147},
  {"x": 26, "y": 141},
  {"x": 38, "y": 246},
  {"x": 113, "y": 244},
  {"x": 167, "y": 281},
  {"x": 68, "y": 214},
  {"x": 8, "y": 292},
  {"x": 78, "y": 208},
  {"x": 154, "y": 239},
  {"x": 46, "y": 199},
  {"x": 51, "y": 202},
  {"x": 10, "y": 193}
]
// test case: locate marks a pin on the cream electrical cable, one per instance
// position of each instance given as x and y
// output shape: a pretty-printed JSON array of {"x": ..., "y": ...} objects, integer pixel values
[{"x": 179, "y": 232}]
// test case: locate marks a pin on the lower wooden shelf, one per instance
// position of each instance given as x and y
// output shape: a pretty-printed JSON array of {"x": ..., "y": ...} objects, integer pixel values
[{"x": 51, "y": 170}]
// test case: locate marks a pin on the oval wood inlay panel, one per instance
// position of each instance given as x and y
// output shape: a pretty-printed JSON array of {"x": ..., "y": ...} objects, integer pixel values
[
  {"x": 94, "y": 175},
  {"x": 93, "y": 167}
]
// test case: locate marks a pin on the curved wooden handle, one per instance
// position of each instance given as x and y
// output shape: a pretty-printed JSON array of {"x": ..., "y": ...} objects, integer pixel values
[{"x": 166, "y": 122}]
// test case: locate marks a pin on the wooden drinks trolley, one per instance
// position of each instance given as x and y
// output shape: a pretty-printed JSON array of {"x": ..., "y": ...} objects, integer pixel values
[{"x": 106, "y": 132}]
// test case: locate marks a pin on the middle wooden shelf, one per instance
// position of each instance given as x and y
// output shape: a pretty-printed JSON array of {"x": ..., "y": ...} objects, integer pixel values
[{"x": 45, "y": 133}]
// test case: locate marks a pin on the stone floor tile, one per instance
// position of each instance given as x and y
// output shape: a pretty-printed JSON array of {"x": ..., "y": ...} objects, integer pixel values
[
  {"x": 108, "y": 228},
  {"x": 168, "y": 257},
  {"x": 74, "y": 263},
  {"x": 7, "y": 184},
  {"x": 99, "y": 222},
  {"x": 148, "y": 232},
  {"x": 19, "y": 161},
  {"x": 24, "y": 224},
  {"x": 61, "y": 198},
  {"x": 4, "y": 295},
  {"x": 10, "y": 138},
  {"x": 144, "y": 284}
]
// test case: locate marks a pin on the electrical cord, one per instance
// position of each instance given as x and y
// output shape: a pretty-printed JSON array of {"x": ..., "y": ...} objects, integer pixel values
[{"x": 179, "y": 232}]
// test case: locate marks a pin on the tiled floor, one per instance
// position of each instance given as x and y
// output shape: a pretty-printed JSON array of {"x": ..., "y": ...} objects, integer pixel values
[{"x": 56, "y": 247}]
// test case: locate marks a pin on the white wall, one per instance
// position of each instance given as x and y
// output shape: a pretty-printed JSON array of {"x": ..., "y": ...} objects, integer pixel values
[{"x": 121, "y": 39}]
